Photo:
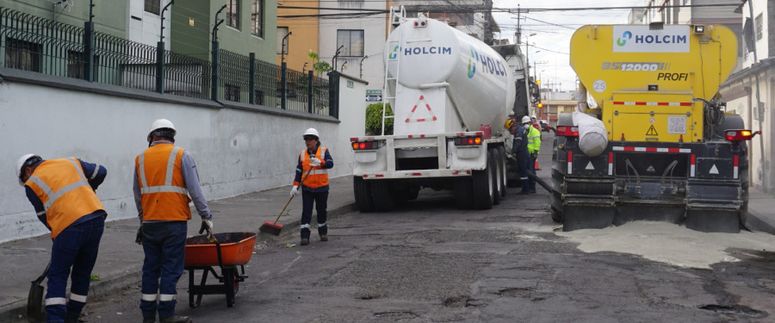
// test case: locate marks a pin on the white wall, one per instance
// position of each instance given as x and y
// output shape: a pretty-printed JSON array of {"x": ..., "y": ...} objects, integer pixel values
[
  {"x": 236, "y": 151},
  {"x": 146, "y": 30}
]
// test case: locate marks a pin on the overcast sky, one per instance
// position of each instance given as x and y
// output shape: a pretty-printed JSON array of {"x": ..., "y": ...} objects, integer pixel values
[{"x": 552, "y": 42}]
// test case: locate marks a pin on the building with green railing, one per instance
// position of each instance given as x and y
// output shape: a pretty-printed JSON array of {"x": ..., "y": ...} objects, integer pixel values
[{"x": 239, "y": 70}]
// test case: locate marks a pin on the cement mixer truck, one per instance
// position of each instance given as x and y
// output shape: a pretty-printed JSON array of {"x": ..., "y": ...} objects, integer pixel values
[
  {"x": 450, "y": 94},
  {"x": 658, "y": 143}
]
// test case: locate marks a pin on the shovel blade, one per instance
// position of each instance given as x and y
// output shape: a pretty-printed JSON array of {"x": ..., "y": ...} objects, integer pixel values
[{"x": 35, "y": 303}]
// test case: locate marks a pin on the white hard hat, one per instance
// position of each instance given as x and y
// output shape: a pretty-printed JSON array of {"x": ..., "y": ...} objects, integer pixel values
[
  {"x": 525, "y": 119},
  {"x": 21, "y": 163},
  {"x": 312, "y": 132},
  {"x": 161, "y": 124},
  {"x": 533, "y": 117}
]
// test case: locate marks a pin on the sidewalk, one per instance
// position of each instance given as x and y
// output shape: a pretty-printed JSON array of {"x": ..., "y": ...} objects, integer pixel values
[
  {"x": 120, "y": 259},
  {"x": 761, "y": 212}
]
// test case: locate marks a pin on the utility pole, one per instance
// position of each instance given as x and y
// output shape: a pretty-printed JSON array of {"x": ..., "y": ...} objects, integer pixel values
[{"x": 88, "y": 45}]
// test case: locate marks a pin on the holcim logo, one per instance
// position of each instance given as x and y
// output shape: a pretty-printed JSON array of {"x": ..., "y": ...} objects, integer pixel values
[
  {"x": 394, "y": 53},
  {"x": 472, "y": 63},
  {"x": 642, "y": 39},
  {"x": 621, "y": 41}
]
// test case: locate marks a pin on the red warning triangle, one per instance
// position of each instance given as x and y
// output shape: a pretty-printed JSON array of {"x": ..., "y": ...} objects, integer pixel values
[{"x": 424, "y": 106}]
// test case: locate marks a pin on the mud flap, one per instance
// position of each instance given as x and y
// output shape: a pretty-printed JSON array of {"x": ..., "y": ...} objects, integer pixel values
[
  {"x": 713, "y": 220},
  {"x": 586, "y": 215}
]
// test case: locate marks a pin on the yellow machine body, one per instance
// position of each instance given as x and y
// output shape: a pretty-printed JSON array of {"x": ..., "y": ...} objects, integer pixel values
[{"x": 650, "y": 82}]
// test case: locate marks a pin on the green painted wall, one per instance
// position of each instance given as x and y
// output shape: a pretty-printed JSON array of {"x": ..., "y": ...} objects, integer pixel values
[
  {"x": 109, "y": 16},
  {"x": 195, "y": 40}
]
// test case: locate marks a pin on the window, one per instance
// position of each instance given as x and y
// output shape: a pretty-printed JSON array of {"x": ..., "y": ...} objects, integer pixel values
[
  {"x": 257, "y": 18},
  {"x": 76, "y": 62},
  {"x": 352, "y": 40},
  {"x": 281, "y": 32},
  {"x": 232, "y": 13},
  {"x": 231, "y": 92},
  {"x": 153, "y": 6},
  {"x": 759, "y": 27},
  {"x": 22, "y": 55}
]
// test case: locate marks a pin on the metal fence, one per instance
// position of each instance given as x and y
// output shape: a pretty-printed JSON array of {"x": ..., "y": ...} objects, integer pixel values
[{"x": 41, "y": 45}]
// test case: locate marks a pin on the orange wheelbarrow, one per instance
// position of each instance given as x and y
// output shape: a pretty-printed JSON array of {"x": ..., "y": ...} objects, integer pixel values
[{"x": 230, "y": 252}]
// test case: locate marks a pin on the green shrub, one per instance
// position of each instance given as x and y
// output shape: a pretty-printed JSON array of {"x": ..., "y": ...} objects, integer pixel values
[{"x": 374, "y": 119}]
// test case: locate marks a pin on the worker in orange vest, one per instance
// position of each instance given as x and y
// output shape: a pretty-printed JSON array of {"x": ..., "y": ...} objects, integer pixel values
[
  {"x": 165, "y": 177},
  {"x": 312, "y": 177},
  {"x": 62, "y": 191}
]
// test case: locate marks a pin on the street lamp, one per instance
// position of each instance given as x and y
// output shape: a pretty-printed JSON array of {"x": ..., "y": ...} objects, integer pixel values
[{"x": 160, "y": 52}]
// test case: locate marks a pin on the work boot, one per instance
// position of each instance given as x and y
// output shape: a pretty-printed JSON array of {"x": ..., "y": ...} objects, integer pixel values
[
  {"x": 176, "y": 319},
  {"x": 304, "y": 241},
  {"x": 323, "y": 237}
]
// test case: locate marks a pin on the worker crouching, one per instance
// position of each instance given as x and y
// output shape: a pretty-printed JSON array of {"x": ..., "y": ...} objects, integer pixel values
[
  {"x": 312, "y": 177},
  {"x": 62, "y": 191}
]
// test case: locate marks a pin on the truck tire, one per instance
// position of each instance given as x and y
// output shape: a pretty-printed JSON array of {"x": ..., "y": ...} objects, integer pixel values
[
  {"x": 463, "y": 192},
  {"x": 382, "y": 197},
  {"x": 482, "y": 187},
  {"x": 362, "y": 194},
  {"x": 504, "y": 175},
  {"x": 496, "y": 175}
]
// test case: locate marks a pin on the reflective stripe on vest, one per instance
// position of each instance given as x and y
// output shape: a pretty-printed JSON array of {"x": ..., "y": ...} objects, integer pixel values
[
  {"x": 167, "y": 187},
  {"x": 163, "y": 194},
  {"x": 62, "y": 188},
  {"x": 318, "y": 176}
]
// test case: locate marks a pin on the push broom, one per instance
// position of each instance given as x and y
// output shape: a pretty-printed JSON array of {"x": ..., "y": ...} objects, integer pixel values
[{"x": 275, "y": 228}]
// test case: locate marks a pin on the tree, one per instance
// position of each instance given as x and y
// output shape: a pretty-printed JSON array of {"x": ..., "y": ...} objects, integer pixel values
[
  {"x": 374, "y": 119},
  {"x": 319, "y": 66}
]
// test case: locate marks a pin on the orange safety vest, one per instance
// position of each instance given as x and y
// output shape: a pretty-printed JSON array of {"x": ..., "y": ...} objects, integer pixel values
[
  {"x": 64, "y": 191},
  {"x": 163, "y": 193},
  {"x": 318, "y": 176}
]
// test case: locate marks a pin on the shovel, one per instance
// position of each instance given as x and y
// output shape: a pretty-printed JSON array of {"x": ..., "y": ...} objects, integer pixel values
[{"x": 35, "y": 298}]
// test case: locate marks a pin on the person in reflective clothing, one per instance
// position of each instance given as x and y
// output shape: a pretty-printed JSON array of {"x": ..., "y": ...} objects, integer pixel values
[
  {"x": 62, "y": 191},
  {"x": 165, "y": 177},
  {"x": 522, "y": 154},
  {"x": 533, "y": 136},
  {"x": 315, "y": 160}
]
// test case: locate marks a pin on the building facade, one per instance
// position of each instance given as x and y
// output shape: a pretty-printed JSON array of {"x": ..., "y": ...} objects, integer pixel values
[
  {"x": 249, "y": 26},
  {"x": 302, "y": 26},
  {"x": 750, "y": 92}
]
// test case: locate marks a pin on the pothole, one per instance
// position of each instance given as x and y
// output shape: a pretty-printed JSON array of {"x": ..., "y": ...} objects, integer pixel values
[
  {"x": 456, "y": 301},
  {"x": 734, "y": 309},
  {"x": 515, "y": 291},
  {"x": 396, "y": 315}
]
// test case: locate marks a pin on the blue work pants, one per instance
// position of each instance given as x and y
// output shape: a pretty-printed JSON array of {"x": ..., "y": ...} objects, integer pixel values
[
  {"x": 164, "y": 246},
  {"x": 320, "y": 201},
  {"x": 76, "y": 247}
]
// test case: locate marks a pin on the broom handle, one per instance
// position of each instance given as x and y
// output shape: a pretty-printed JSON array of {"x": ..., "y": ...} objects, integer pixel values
[{"x": 291, "y": 199}]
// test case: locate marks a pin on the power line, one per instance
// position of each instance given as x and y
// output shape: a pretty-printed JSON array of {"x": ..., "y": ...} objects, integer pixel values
[{"x": 550, "y": 23}]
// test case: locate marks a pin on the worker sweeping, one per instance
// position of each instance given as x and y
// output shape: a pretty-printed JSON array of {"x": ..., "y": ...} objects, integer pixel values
[
  {"x": 62, "y": 191},
  {"x": 315, "y": 160},
  {"x": 533, "y": 147},
  {"x": 165, "y": 177}
]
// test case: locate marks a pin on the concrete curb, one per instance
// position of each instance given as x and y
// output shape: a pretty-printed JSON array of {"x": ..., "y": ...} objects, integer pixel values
[
  {"x": 17, "y": 311},
  {"x": 756, "y": 223}
]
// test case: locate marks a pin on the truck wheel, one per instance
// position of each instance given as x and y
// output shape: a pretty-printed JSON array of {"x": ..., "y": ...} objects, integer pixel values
[
  {"x": 382, "y": 197},
  {"x": 502, "y": 163},
  {"x": 483, "y": 187},
  {"x": 496, "y": 176},
  {"x": 463, "y": 193},
  {"x": 362, "y": 194}
]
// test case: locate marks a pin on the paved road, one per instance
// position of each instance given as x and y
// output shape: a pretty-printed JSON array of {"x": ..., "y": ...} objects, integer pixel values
[{"x": 429, "y": 262}]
